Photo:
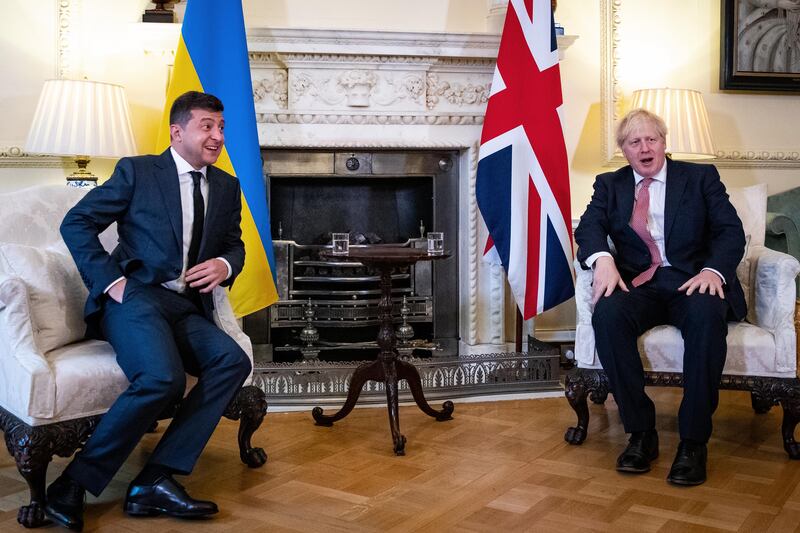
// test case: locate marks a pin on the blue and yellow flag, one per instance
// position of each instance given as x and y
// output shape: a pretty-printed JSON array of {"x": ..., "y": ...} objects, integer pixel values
[{"x": 212, "y": 57}]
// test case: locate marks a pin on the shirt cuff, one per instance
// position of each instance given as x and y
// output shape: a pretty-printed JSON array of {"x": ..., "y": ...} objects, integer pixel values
[
  {"x": 113, "y": 283},
  {"x": 594, "y": 257},
  {"x": 230, "y": 270},
  {"x": 717, "y": 273}
]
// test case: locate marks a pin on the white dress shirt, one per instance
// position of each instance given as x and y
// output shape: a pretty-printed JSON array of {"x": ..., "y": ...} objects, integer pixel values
[
  {"x": 655, "y": 216},
  {"x": 187, "y": 207}
]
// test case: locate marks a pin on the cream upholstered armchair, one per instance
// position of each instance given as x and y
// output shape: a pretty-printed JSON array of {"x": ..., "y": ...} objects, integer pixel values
[
  {"x": 762, "y": 350},
  {"x": 54, "y": 384}
]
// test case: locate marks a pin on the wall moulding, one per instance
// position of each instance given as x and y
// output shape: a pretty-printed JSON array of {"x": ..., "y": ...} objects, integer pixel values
[
  {"x": 382, "y": 119},
  {"x": 367, "y": 43},
  {"x": 611, "y": 106},
  {"x": 66, "y": 54},
  {"x": 16, "y": 157}
]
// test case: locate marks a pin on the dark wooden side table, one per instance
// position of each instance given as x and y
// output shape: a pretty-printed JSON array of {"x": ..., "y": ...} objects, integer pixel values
[{"x": 387, "y": 368}]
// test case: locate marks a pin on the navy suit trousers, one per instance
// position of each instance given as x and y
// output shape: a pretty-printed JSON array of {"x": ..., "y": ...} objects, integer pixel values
[
  {"x": 158, "y": 336},
  {"x": 619, "y": 319}
]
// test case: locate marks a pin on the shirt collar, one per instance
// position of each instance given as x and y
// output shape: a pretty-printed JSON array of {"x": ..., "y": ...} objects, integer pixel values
[
  {"x": 184, "y": 167},
  {"x": 661, "y": 175}
]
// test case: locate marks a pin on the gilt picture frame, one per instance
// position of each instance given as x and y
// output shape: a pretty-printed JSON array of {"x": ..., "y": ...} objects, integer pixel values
[{"x": 760, "y": 45}]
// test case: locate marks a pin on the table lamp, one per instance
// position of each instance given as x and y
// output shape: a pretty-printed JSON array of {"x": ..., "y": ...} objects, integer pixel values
[
  {"x": 683, "y": 110},
  {"x": 81, "y": 119}
]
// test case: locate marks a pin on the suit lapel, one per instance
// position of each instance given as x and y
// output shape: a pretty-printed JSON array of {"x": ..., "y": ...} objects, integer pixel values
[
  {"x": 676, "y": 184},
  {"x": 625, "y": 189},
  {"x": 167, "y": 179}
]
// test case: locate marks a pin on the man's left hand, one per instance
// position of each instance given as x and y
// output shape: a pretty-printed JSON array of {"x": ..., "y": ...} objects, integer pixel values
[
  {"x": 207, "y": 275},
  {"x": 702, "y": 282}
]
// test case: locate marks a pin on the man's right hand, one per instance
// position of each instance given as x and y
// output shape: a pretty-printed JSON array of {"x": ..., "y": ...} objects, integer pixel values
[
  {"x": 606, "y": 278},
  {"x": 117, "y": 291}
]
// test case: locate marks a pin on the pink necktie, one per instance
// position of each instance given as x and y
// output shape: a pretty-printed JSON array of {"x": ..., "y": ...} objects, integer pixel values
[{"x": 639, "y": 225}]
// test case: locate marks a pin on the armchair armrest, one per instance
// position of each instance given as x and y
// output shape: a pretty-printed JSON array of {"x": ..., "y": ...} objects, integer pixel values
[
  {"x": 27, "y": 383},
  {"x": 773, "y": 279},
  {"x": 783, "y": 235},
  {"x": 583, "y": 294},
  {"x": 226, "y": 321},
  {"x": 584, "y": 333}
]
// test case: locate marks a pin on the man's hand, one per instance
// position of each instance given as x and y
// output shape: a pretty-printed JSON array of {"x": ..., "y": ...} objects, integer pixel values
[
  {"x": 207, "y": 275},
  {"x": 606, "y": 278},
  {"x": 117, "y": 290},
  {"x": 705, "y": 280}
]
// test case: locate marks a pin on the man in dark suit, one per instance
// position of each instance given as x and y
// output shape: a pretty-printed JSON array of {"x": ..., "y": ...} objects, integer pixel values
[
  {"x": 179, "y": 237},
  {"x": 678, "y": 241}
]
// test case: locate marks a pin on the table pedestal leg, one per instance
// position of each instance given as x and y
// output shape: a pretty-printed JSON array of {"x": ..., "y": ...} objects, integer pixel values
[
  {"x": 408, "y": 372},
  {"x": 372, "y": 371},
  {"x": 387, "y": 369}
]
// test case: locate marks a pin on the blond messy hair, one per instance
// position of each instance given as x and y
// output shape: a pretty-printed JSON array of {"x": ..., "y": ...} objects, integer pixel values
[{"x": 635, "y": 119}]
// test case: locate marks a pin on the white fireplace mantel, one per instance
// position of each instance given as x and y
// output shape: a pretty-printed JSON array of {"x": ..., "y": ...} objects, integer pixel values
[{"x": 332, "y": 88}]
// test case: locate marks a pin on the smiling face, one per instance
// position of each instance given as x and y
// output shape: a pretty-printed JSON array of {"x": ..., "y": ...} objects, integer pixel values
[
  {"x": 645, "y": 149},
  {"x": 201, "y": 140}
]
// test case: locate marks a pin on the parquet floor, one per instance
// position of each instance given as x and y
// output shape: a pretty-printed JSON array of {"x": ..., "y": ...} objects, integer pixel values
[{"x": 498, "y": 466}]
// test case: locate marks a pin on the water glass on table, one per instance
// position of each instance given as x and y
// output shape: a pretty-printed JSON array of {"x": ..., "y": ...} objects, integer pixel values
[
  {"x": 341, "y": 243},
  {"x": 435, "y": 242}
]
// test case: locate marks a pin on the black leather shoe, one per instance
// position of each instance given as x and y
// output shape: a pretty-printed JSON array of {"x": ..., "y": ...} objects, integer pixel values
[
  {"x": 689, "y": 466},
  {"x": 165, "y": 497},
  {"x": 65, "y": 503},
  {"x": 641, "y": 450}
]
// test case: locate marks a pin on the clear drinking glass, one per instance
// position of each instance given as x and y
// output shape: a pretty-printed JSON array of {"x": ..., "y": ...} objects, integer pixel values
[
  {"x": 341, "y": 243},
  {"x": 435, "y": 242}
]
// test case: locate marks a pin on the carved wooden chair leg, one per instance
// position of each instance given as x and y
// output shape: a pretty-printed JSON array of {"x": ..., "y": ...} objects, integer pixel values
[
  {"x": 580, "y": 384},
  {"x": 599, "y": 396},
  {"x": 761, "y": 405},
  {"x": 32, "y": 464},
  {"x": 791, "y": 416},
  {"x": 249, "y": 406},
  {"x": 33, "y": 449},
  {"x": 576, "y": 392}
]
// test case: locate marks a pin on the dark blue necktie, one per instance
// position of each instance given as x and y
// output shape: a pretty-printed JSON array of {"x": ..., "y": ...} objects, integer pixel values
[{"x": 199, "y": 217}]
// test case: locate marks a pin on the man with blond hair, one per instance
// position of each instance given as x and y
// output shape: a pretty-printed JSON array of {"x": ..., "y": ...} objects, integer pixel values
[{"x": 677, "y": 241}]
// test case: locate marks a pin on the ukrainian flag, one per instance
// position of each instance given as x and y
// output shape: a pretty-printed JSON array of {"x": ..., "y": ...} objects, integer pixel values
[{"x": 212, "y": 57}]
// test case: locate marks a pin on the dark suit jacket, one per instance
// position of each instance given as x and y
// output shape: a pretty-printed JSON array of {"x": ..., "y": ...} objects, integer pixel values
[
  {"x": 701, "y": 226},
  {"x": 143, "y": 197}
]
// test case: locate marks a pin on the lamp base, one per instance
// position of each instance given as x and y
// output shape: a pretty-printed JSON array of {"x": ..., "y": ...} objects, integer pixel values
[
  {"x": 82, "y": 178},
  {"x": 154, "y": 15},
  {"x": 161, "y": 13},
  {"x": 81, "y": 183}
]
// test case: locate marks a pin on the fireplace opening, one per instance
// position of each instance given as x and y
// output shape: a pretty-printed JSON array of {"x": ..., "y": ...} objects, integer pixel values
[
  {"x": 373, "y": 210},
  {"x": 328, "y": 308}
]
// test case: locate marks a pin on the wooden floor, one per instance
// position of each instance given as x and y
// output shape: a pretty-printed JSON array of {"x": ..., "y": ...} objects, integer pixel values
[{"x": 497, "y": 466}]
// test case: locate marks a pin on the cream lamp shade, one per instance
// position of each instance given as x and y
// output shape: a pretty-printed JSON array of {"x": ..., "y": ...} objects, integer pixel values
[
  {"x": 683, "y": 110},
  {"x": 81, "y": 119}
]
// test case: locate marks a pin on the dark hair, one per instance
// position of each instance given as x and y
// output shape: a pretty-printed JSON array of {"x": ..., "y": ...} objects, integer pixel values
[{"x": 181, "y": 111}]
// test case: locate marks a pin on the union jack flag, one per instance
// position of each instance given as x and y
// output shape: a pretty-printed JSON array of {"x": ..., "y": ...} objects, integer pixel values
[{"x": 522, "y": 183}]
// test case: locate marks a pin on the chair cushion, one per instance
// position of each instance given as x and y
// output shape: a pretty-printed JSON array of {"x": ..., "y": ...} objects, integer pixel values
[
  {"x": 662, "y": 347},
  {"x": 55, "y": 290},
  {"x": 751, "y": 351},
  {"x": 751, "y": 206}
]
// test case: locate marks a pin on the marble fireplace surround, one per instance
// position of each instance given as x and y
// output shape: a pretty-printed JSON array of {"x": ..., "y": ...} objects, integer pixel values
[{"x": 391, "y": 90}]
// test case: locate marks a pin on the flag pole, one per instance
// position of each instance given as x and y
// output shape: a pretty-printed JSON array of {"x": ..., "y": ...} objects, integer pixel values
[{"x": 518, "y": 332}]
